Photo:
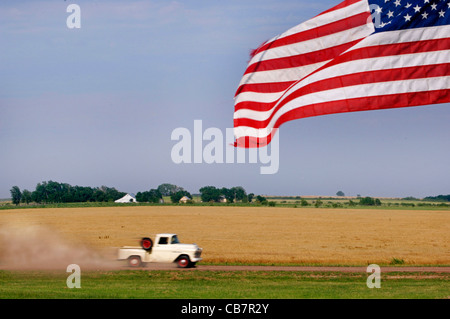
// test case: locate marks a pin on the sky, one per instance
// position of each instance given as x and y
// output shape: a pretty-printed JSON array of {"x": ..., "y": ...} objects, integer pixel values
[{"x": 97, "y": 105}]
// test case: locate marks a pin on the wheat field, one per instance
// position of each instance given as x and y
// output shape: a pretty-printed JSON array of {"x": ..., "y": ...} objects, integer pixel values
[{"x": 242, "y": 234}]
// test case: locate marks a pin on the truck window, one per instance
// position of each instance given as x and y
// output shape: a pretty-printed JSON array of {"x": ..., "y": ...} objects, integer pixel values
[
  {"x": 174, "y": 240},
  {"x": 163, "y": 241}
]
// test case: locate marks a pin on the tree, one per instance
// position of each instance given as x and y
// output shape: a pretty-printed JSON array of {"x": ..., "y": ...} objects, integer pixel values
[
  {"x": 228, "y": 193},
  {"x": 167, "y": 189},
  {"x": 26, "y": 196},
  {"x": 340, "y": 193},
  {"x": 40, "y": 193},
  {"x": 16, "y": 195},
  {"x": 250, "y": 197},
  {"x": 54, "y": 193},
  {"x": 99, "y": 195},
  {"x": 369, "y": 201},
  {"x": 261, "y": 199},
  {"x": 239, "y": 193},
  {"x": 152, "y": 196},
  {"x": 110, "y": 194},
  {"x": 303, "y": 202},
  {"x": 210, "y": 193}
]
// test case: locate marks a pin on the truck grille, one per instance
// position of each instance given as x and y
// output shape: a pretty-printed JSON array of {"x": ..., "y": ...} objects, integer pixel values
[{"x": 198, "y": 253}]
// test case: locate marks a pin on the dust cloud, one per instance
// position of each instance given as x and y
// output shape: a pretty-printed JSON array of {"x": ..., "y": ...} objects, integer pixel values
[{"x": 41, "y": 248}]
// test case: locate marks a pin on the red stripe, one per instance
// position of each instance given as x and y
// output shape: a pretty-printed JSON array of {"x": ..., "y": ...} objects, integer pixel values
[
  {"x": 331, "y": 28},
  {"x": 293, "y": 61},
  {"x": 416, "y": 72},
  {"x": 272, "y": 87},
  {"x": 393, "y": 49},
  {"x": 353, "y": 105}
]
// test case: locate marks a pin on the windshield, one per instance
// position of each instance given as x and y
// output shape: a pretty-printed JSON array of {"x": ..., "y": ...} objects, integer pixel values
[{"x": 175, "y": 240}]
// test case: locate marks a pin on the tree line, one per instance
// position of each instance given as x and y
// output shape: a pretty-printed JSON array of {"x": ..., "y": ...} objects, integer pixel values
[
  {"x": 54, "y": 192},
  {"x": 49, "y": 192},
  {"x": 439, "y": 198},
  {"x": 207, "y": 194}
]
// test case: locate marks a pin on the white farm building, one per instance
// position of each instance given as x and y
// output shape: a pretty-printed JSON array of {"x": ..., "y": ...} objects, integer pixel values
[{"x": 128, "y": 198}]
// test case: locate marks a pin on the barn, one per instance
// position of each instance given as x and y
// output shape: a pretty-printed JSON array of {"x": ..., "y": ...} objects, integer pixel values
[{"x": 128, "y": 198}]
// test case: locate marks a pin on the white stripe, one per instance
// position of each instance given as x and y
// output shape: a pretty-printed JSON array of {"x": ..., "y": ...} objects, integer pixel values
[
  {"x": 355, "y": 66},
  {"x": 258, "y": 97},
  {"x": 281, "y": 75},
  {"x": 403, "y": 36},
  {"x": 363, "y": 90}
]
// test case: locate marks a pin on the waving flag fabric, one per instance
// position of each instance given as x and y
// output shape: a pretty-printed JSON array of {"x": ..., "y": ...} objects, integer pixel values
[{"x": 360, "y": 55}]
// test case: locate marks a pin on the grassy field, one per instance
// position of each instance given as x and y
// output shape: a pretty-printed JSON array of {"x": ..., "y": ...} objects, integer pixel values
[
  {"x": 347, "y": 202},
  {"x": 221, "y": 285},
  {"x": 264, "y": 235}
]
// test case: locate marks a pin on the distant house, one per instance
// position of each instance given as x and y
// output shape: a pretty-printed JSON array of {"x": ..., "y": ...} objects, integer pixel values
[
  {"x": 222, "y": 199},
  {"x": 128, "y": 198},
  {"x": 184, "y": 199}
]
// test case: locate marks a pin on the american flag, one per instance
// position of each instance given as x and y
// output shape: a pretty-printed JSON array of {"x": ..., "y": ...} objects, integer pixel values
[{"x": 357, "y": 56}]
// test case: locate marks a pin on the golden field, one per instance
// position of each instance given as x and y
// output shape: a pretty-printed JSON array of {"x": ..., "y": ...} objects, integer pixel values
[{"x": 246, "y": 234}]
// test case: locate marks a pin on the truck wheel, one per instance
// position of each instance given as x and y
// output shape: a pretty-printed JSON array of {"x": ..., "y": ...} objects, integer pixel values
[
  {"x": 146, "y": 243},
  {"x": 134, "y": 261},
  {"x": 183, "y": 262}
]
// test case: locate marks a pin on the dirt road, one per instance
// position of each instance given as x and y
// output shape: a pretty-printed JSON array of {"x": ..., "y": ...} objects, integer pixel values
[{"x": 300, "y": 268}]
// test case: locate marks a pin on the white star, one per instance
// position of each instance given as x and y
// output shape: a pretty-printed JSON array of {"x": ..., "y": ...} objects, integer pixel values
[
  {"x": 448, "y": 5},
  {"x": 441, "y": 13},
  {"x": 386, "y": 1},
  {"x": 426, "y": 1},
  {"x": 433, "y": 6},
  {"x": 417, "y": 8},
  {"x": 407, "y": 17},
  {"x": 408, "y": 5},
  {"x": 397, "y": 3},
  {"x": 390, "y": 14},
  {"x": 378, "y": 9},
  {"x": 424, "y": 15}
]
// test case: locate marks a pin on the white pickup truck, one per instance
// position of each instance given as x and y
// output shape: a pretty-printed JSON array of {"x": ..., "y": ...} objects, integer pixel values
[{"x": 167, "y": 249}]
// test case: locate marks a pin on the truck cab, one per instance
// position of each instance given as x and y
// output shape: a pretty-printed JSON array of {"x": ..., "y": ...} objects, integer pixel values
[{"x": 165, "y": 249}]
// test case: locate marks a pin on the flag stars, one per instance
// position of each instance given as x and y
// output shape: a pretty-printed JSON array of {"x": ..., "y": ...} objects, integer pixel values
[{"x": 413, "y": 13}]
